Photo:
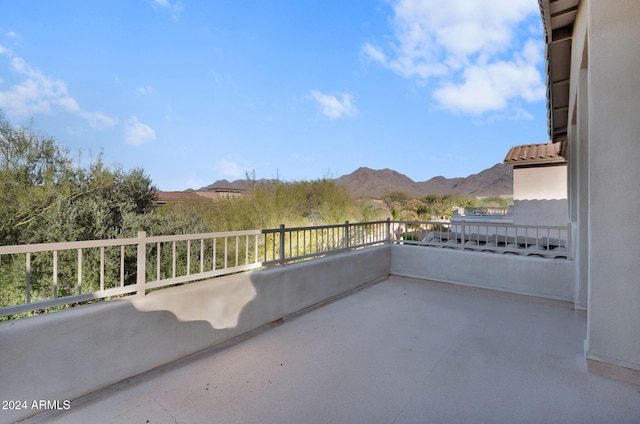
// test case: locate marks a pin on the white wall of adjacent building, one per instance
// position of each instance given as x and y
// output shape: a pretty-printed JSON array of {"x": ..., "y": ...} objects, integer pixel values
[
  {"x": 540, "y": 195},
  {"x": 540, "y": 183}
]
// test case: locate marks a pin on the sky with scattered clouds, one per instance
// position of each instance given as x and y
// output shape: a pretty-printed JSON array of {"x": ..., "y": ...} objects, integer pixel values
[{"x": 197, "y": 91}]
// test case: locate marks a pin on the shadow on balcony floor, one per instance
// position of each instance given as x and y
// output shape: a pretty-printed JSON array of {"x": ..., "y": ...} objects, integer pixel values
[{"x": 400, "y": 351}]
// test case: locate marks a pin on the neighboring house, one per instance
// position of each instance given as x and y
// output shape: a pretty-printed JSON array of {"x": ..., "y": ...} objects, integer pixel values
[
  {"x": 536, "y": 224},
  {"x": 593, "y": 93},
  {"x": 539, "y": 184},
  {"x": 539, "y": 189}
]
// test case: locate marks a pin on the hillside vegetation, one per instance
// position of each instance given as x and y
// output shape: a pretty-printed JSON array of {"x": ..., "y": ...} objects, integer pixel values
[
  {"x": 48, "y": 197},
  {"x": 267, "y": 204}
]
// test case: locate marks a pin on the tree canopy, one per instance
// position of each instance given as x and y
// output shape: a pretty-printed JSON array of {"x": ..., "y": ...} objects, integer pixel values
[{"x": 46, "y": 197}]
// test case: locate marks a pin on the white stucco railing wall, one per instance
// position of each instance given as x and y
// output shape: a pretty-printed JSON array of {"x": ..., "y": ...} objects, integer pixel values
[
  {"x": 67, "y": 354},
  {"x": 529, "y": 275}
]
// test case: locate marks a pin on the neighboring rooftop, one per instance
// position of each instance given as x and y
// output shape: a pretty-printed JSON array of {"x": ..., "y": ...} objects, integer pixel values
[
  {"x": 399, "y": 351},
  {"x": 537, "y": 154}
]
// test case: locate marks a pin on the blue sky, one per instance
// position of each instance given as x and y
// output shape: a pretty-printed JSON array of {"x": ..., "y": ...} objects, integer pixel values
[{"x": 196, "y": 91}]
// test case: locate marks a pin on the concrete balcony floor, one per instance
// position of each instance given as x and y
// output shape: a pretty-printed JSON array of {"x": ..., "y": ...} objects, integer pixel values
[{"x": 399, "y": 351}]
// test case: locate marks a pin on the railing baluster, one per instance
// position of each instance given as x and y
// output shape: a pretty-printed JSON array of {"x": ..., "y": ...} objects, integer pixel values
[
  {"x": 27, "y": 261},
  {"x": 122, "y": 266},
  {"x": 256, "y": 252},
  {"x": 281, "y": 244},
  {"x": 346, "y": 234},
  {"x": 188, "y": 257},
  {"x": 55, "y": 274},
  {"x": 201, "y": 256},
  {"x": 173, "y": 260},
  {"x": 215, "y": 259},
  {"x": 158, "y": 261},
  {"x": 79, "y": 271},
  {"x": 101, "y": 268},
  {"x": 141, "y": 263}
]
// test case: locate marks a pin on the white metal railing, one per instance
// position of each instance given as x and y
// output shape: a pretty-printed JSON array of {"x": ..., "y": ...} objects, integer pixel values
[
  {"x": 40, "y": 276},
  {"x": 483, "y": 211},
  {"x": 545, "y": 241},
  {"x": 57, "y": 274}
]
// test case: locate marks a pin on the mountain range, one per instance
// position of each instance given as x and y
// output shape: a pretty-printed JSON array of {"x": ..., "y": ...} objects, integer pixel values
[{"x": 367, "y": 182}]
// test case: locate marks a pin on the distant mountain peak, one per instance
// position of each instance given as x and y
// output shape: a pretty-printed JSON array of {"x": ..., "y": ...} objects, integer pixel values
[{"x": 367, "y": 182}]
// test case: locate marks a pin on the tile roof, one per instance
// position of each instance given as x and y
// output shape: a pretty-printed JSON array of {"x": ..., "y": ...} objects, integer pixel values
[{"x": 537, "y": 154}]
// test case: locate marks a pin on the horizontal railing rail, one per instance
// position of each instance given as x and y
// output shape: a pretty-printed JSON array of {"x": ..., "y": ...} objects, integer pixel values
[{"x": 36, "y": 277}]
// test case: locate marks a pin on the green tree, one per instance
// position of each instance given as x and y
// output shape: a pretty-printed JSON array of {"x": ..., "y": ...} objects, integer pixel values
[
  {"x": 34, "y": 174},
  {"x": 44, "y": 198}
]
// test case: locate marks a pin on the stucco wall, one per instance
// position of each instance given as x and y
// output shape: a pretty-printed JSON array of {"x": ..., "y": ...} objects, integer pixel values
[
  {"x": 540, "y": 196},
  {"x": 614, "y": 176},
  {"x": 541, "y": 182},
  {"x": 541, "y": 212},
  {"x": 548, "y": 278},
  {"x": 578, "y": 149},
  {"x": 67, "y": 354}
]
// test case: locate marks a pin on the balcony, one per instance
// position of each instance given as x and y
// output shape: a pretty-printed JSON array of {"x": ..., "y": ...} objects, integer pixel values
[
  {"x": 402, "y": 350},
  {"x": 361, "y": 333}
]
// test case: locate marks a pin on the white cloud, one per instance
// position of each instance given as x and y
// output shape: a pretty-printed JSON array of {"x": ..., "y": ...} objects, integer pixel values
[
  {"x": 137, "y": 133},
  {"x": 489, "y": 87},
  {"x": 14, "y": 38},
  {"x": 174, "y": 7},
  {"x": 144, "y": 91},
  {"x": 229, "y": 168},
  {"x": 374, "y": 53},
  {"x": 334, "y": 105},
  {"x": 98, "y": 120},
  {"x": 38, "y": 93},
  {"x": 466, "y": 48}
]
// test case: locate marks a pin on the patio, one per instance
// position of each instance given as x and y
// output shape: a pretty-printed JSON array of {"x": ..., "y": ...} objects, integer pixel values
[{"x": 402, "y": 350}]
